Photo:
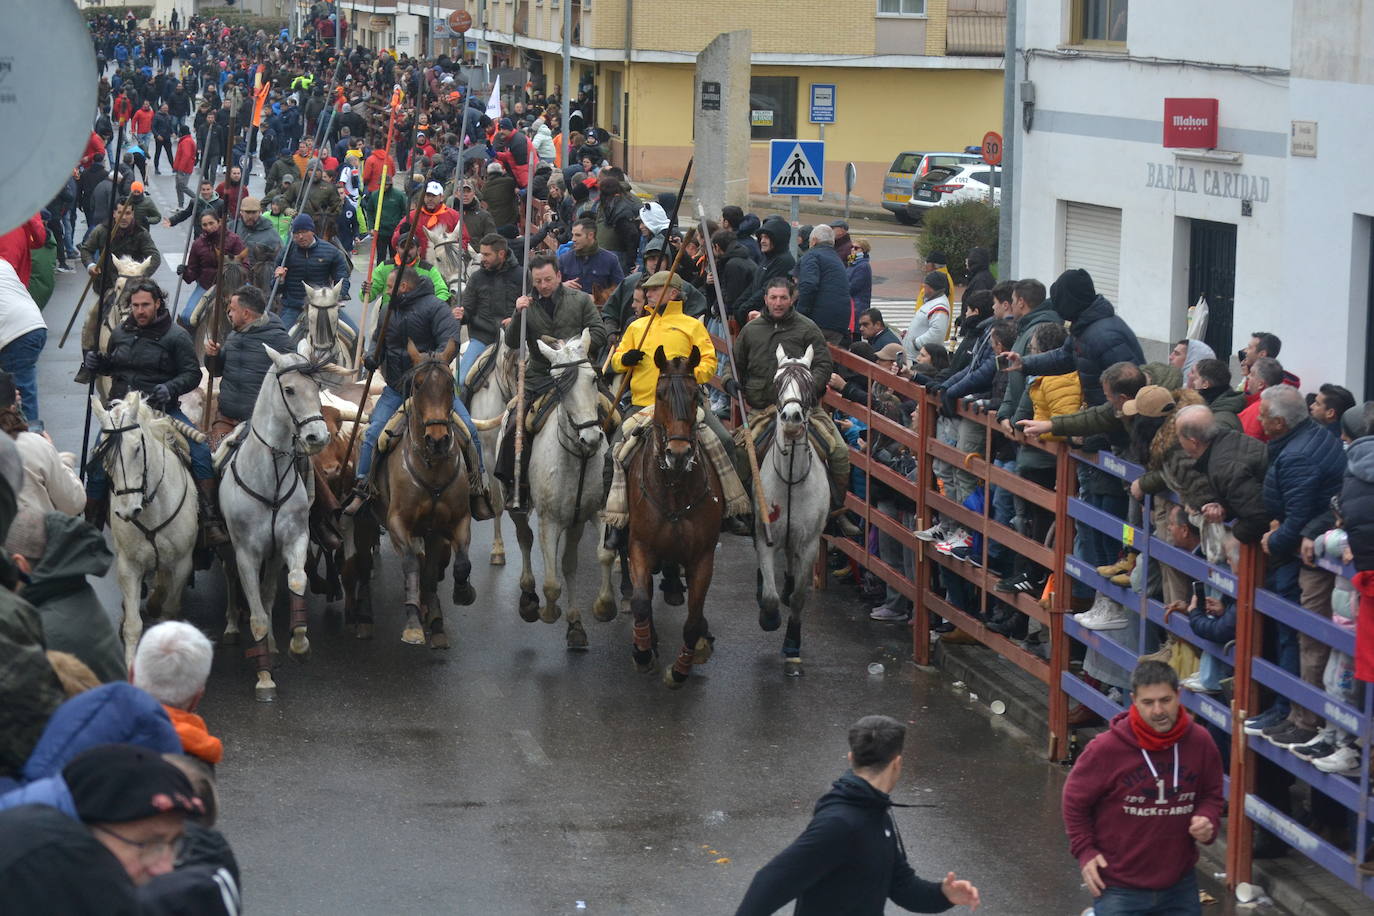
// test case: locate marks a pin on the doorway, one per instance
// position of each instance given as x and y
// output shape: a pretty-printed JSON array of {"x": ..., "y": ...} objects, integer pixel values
[{"x": 1212, "y": 274}]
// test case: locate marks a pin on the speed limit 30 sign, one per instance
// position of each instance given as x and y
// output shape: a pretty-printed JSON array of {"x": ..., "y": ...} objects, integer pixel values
[{"x": 992, "y": 148}]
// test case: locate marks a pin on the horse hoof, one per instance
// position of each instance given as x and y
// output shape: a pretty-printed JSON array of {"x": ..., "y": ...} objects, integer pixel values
[
  {"x": 413, "y": 636},
  {"x": 438, "y": 640},
  {"x": 644, "y": 661},
  {"x": 674, "y": 599},
  {"x": 463, "y": 593},
  {"x": 300, "y": 648},
  {"x": 673, "y": 680},
  {"x": 605, "y": 610},
  {"x": 229, "y": 639},
  {"x": 769, "y": 620},
  {"x": 706, "y": 645},
  {"x": 529, "y": 607},
  {"x": 498, "y": 558},
  {"x": 265, "y": 690},
  {"x": 363, "y": 631},
  {"x": 577, "y": 637},
  {"x": 550, "y": 612},
  {"x": 259, "y": 632},
  {"x": 792, "y": 667}
]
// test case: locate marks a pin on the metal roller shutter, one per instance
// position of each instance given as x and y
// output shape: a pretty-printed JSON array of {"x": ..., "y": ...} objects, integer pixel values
[{"x": 1092, "y": 241}]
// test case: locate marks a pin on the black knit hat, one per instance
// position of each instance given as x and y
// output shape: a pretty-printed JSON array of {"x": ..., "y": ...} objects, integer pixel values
[
  {"x": 936, "y": 281},
  {"x": 116, "y": 783}
]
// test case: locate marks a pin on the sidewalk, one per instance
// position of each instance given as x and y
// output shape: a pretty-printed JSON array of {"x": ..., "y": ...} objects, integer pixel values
[
  {"x": 831, "y": 206},
  {"x": 1295, "y": 882}
]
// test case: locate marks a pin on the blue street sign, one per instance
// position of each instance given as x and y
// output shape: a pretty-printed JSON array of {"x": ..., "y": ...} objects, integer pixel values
[
  {"x": 796, "y": 168},
  {"x": 822, "y": 103}
]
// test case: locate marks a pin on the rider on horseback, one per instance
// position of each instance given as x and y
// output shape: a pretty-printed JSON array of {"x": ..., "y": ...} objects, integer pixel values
[
  {"x": 308, "y": 260},
  {"x": 677, "y": 334},
  {"x": 244, "y": 361},
  {"x": 416, "y": 316},
  {"x": 129, "y": 240},
  {"x": 781, "y": 325},
  {"x": 149, "y": 353}
]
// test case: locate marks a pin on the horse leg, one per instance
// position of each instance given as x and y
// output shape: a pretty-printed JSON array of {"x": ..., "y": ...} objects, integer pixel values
[
  {"x": 642, "y": 606},
  {"x": 572, "y": 539},
  {"x": 357, "y": 576},
  {"x": 769, "y": 617},
  {"x": 799, "y": 580},
  {"x": 529, "y": 599},
  {"x": 463, "y": 592},
  {"x": 130, "y": 584},
  {"x": 671, "y": 586},
  {"x": 550, "y": 536},
  {"x": 627, "y": 586},
  {"x": 696, "y": 639},
  {"x": 294, "y": 555},
  {"x": 605, "y": 608},
  {"x": 436, "y": 558},
  {"x": 259, "y": 623},
  {"x": 498, "y": 505}
]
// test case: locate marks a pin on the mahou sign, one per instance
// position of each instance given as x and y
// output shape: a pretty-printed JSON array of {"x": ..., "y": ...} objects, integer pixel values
[{"x": 1190, "y": 123}]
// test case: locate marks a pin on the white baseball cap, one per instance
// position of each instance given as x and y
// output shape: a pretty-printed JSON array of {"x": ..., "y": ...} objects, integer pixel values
[{"x": 434, "y": 188}]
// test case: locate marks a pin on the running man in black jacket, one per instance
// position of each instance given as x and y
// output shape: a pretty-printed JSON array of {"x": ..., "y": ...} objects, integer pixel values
[{"x": 850, "y": 859}]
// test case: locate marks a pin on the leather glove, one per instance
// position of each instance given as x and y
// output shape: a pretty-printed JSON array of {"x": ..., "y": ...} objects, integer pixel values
[
  {"x": 160, "y": 396},
  {"x": 94, "y": 361},
  {"x": 181, "y": 270},
  {"x": 731, "y": 387},
  {"x": 370, "y": 363},
  {"x": 632, "y": 357}
]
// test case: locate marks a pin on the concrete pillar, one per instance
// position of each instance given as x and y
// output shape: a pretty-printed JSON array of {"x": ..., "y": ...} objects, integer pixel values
[{"x": 720, "y": 173}]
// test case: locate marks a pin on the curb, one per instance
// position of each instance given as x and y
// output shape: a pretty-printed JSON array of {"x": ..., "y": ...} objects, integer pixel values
[{"x": 645, "y": 190}]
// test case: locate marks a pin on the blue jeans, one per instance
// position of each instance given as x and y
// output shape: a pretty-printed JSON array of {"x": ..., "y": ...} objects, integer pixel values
[
  {"x": 184, "y": 316},
  {"x": 20, "y": 359},
  {"x": 1179, "y": 900},
  {"x": 388, "y": 403},
  {"x": 1003, "y": 509},
  {"x": 475, "y": 349},
  {"x": 1284, "y": 650},
  {"x": 98, "y": 483}
]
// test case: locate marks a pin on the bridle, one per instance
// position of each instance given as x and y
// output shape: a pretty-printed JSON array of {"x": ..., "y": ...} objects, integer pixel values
[
  {"x": 793, "y": 377},
  {"x": 114, "y": 436},
  {"x": 680, "y": 402},
  {"x": 570, "y": 438},
  {"x": 420, "y": 427}
]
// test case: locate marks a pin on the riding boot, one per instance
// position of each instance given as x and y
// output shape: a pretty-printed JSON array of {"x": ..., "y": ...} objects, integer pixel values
[
  {"x": 839, "y": 515},
  {"x": 97, "y": 512},
  {"x": 83, "y": 375},
  {"x": 617, "y": 539},
  {"x": 479, "y": 499},
  {"x": 358, "y": 498},
  {"x": 211, "y": 524}
]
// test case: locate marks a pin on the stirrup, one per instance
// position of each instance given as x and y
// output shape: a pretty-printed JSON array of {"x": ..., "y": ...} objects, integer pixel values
[{"x": 357, "y": 499}]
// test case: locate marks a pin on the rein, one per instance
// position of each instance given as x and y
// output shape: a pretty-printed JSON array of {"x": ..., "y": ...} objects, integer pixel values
[
  {"x": 794, "y": 379},
  {"x": 563, "y": 382},
  {"x": 113, "y": 436},
  {"x": 683, "y": 406},
  {"x": 435, "y": 492}
]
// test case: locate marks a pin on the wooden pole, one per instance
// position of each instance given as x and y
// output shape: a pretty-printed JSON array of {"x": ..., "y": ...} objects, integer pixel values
[{"x": 524, "y": 343}]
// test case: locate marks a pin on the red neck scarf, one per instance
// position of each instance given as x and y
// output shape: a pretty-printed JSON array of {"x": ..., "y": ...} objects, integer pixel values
[{"x": 1152, "y": 740}]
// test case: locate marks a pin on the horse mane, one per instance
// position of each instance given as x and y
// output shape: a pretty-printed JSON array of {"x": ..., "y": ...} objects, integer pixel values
[
  {"x": 321, "y": 370},
  {"x": 799, "y": 374}
]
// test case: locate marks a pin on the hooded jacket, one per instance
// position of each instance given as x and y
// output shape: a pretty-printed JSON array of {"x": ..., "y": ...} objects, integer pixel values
[
  {"x": 1134, "y": 813},
  {"x": 677, "y": 334},
  {"x": 979, "y": 276},
  {"x": 849, "y": 861},
  {"x": 1357, "y": 501},
  {"x": 1306, "y": 468},
  {"x": 73, "y": 618},
  {"x": 778, "y": 262},
  {"x": 823, "y": 289},
  {"x": 1226, "y": 404},
  {"x": 117, "y": 713},
  {"x": 738, "y": 274},
  {"x": 418, "y": 317},
  {"x": 748, "y": 228},
  {"x": 1097, "y": 339},
  {"x": 756, "y": 354},
  {"x": 246, "y": 363},
  {"x": 1234, "y": 468}
]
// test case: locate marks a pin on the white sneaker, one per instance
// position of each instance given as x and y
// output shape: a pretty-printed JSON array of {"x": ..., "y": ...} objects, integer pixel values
[
  {"x": 1344, "y": 762},
  {"x": 1098, "y": 608},
  {"x": 890, "y": 615},
  {"x": 935, "y": 532},
  {"x": 1195, "y": 684},
  {"x": 1106, "y": 615}
]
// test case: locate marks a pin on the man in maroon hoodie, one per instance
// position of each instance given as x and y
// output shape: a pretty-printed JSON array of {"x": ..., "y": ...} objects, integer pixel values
[{"x": 1140, "y": 799}]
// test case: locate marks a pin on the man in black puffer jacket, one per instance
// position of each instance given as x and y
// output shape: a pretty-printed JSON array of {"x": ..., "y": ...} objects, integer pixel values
[
  {"x": 851, "y": 859},
  {"x": 243, "y": 360},
  {"x": 775, "y": 239},
  {"x": 1098, "y": 337},
  {"x": 738, "y": 272},
  {"x": 422, "y": 318}
]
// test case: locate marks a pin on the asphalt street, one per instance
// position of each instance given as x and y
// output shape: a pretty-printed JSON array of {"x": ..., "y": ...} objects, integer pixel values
[{"x": 510, "y": 776}]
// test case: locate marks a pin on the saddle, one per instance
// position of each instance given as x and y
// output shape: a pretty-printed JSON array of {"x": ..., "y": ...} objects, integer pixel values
[
  {"x": 227, "y": 446},
  {"x": 479, "y": 373}
]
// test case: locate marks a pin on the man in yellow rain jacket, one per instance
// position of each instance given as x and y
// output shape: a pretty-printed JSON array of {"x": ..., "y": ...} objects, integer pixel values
[{"x": 677, "y": 334}]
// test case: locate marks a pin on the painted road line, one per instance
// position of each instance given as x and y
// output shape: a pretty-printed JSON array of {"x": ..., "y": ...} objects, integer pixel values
[{"x": 530, "y": 748}]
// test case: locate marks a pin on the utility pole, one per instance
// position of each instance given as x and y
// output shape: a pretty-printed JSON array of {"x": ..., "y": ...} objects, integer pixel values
[
  {"x": 1009, "y": 143},
  {"x": 566, "y": 111}
]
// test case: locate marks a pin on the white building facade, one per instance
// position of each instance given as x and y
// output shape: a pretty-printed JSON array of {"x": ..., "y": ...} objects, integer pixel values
[{"x": 1271, "y": 224}]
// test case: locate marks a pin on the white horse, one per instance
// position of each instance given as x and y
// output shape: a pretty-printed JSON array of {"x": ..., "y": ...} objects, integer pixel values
[
  {"x": 566, "y": 489},
  {"x": 266, "y": 505},
  {"x": 154, "y": 517},
  {"x": 489, "y": 402},
  {"x": 454, "y": 261},
  {"x": 318, "y": 327},
  {"x": 794, "y": 479}
]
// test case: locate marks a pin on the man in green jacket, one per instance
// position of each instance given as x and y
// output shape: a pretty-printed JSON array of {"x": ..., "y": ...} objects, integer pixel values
[
  {"x": 393, "y": 211},
  {"x": 410, "y": 256},
  {"x": 556, "y": 311}
]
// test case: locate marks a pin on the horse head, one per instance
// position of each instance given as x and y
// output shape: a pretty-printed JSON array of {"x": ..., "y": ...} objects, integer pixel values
[
  {"x": 298, "y": 392},
  {"x": 322, "y": 314},
  {"x": 675, "y": 408},
  {"x": 431, "y": 399},
  {"x": 575, "y": 380},
  {"x": 126, "y": 270},
  {"x": 124, "y": 451},
  {"x": 796, "y": 391}
]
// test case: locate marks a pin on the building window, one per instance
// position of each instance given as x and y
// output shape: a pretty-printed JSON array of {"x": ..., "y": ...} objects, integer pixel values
[
  {"x": 901, "y": 7},
  {"x": 1100, "y": 21},
  {"x": 772, "y": 107}
]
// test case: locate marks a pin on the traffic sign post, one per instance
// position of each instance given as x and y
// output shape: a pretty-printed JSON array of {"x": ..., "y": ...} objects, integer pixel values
[{"x": 796, "y": 169}]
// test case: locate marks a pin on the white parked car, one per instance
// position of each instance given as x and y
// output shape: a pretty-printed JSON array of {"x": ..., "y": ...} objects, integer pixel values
[{"x": 942, "y": 186}]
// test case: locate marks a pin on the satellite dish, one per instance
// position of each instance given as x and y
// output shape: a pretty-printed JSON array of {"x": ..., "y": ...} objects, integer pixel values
[{"x": 54, "y": 104}]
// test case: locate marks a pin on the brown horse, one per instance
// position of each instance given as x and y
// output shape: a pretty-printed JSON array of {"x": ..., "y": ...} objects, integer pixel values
[
  {"x": 675, "y": 513},
  {"x": 422, "y": 495}
]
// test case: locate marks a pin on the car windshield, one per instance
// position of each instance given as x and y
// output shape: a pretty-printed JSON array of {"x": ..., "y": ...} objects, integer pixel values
[{"x": 906, "y": 163}]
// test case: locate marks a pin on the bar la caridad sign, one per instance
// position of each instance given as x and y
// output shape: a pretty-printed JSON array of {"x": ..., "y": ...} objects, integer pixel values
[{"x": 1209, "y": 181}]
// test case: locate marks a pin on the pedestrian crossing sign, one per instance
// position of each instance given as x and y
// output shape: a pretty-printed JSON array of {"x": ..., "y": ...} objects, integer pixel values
[{"x": 796, "y": 168}]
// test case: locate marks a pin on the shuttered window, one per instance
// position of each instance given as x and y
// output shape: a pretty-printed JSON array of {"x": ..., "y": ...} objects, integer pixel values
[{"x": 1092, "y": 241}]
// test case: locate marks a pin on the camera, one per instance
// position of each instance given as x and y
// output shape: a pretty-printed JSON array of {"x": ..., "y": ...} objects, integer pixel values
[
  {"x": 1003, "y": 361},
  {"x": 1240, "y": 354}
]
